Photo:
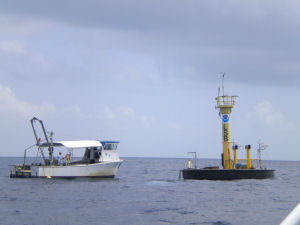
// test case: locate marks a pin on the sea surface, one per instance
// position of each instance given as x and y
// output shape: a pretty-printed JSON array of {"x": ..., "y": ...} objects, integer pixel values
[{"x": 149, "y": 191}]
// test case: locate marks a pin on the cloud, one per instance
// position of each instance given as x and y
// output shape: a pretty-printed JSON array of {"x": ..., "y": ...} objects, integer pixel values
[
  {"x": 109, "y": 115},
  {"x": 11, "y": 105},
  {"x": 19, "y": 60},
  {"x": 74, "y": 111},
  {"x": 123, "y": 116},
  {"x": 21, "y": 27},
  {"x": 173, "y": 126},
  {"x": 255, "y": 42},
  {"x": 16, "y": 61},
  {"x": 12, "y": 46},
  {"x": 128, "y": 112},
  {"x": 270, "y": 116}
]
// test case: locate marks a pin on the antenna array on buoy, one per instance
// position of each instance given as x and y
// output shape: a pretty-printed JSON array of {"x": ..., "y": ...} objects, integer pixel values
[{"x": 261, "y": 147}]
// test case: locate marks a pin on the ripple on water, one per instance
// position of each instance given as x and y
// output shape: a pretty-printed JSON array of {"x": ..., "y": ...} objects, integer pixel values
[
  {"x": 155, "y": 210},
  {"x": 186, "y": 212},
  {"x": 160, "y": 182},
  {"x": 167, "y": 221},
  {"x": 16, "y": 212},
  {"x": 220, "y": 223},
  {"x": 214, "y": 223}
]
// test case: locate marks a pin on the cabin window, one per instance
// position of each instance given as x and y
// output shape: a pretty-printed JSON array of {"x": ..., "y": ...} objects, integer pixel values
[{"x": 110, "y": 146}]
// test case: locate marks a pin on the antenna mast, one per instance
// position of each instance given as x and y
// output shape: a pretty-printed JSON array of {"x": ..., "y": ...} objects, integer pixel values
[
  {"x": 223, "y": 76},
  {"x": 261, "y": 147}
]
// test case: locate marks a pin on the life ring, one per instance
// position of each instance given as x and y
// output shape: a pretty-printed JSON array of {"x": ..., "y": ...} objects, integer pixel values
[{"x": 68, "y": 157}]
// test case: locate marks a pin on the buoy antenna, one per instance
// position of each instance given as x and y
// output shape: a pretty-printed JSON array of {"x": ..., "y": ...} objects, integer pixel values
[
  {"x": 223, "y": 76},
  {"x": 261, "y": 147}
]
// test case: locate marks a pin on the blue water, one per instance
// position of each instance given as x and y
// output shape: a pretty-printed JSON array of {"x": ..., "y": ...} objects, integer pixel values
[{"x": 148, "y": 191}]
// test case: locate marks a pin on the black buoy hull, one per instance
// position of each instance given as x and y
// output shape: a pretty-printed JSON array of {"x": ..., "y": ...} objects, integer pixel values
[{"x": 231, "y": 174}]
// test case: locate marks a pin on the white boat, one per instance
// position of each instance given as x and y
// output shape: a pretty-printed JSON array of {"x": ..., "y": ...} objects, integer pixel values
[{"x": 100, "y": 159}]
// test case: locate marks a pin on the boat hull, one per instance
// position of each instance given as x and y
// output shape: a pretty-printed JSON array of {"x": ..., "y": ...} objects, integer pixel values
[
  {"x": 103, "y": 170},
  {"x": 231, "y": 174}
]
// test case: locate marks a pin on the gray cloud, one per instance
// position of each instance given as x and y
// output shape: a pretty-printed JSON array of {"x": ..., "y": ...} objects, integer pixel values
[{"x": 256, "y": 42}]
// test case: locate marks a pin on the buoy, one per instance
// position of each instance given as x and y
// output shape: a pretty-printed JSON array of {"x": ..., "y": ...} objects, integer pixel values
[{"x": 232, "y": 169}]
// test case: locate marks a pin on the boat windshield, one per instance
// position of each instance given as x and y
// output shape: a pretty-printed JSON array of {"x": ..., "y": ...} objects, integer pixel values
[{"x": 110, "y": 146}]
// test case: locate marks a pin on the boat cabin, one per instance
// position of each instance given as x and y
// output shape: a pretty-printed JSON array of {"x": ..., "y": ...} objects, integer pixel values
[
  {"x": 109, "y": 151},
  {"x": 94, "y": 152}
]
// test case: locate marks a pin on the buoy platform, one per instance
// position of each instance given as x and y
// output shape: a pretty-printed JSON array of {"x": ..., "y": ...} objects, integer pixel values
[{"x": 230, "y": 174}]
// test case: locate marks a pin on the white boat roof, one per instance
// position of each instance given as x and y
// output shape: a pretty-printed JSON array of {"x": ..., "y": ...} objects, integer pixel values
[
  {"x": 81, "y": 144},
  {"x": 76, "y": 144}
]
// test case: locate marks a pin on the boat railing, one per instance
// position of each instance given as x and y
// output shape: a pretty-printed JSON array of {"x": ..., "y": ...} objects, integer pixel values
[{"x": 24, "y": 161}]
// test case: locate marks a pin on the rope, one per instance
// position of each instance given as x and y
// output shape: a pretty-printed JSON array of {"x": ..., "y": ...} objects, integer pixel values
[{"x": 25, "y": 153}]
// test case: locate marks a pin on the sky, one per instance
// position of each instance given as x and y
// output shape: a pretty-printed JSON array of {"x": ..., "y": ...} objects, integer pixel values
[{"x": 146, "y": 73}]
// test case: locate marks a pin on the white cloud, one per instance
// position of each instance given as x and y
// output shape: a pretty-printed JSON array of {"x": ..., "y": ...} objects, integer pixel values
[
  {"x": 270, "y": 116},
  {"x": 173, "y": 125},
  {"x": 128, "y": 112},
  {"x": 10, "y": 104},
  {"x": 12, "y": 46},
  {"x": 123, "y": 116},
  {"x": 146, "y": 120},
  {"x": 109, "y": 115},
  {"x": 17, "y": 61},
  {"x": 74, "y": 111}
]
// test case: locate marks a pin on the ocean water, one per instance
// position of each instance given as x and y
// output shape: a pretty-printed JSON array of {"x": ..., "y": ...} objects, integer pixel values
[{"x": 148, "y": 191}]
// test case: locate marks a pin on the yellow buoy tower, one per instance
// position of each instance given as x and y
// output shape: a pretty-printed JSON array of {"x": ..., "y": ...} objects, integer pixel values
[{"x": 225, "y": 103}]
